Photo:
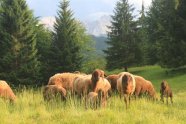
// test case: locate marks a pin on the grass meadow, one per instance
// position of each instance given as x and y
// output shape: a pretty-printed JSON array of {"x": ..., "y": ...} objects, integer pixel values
[{"x": 30, "y": 107}]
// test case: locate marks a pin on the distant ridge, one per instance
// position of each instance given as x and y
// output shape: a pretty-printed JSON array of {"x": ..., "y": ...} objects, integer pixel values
[{"x": 96, "y": 27}]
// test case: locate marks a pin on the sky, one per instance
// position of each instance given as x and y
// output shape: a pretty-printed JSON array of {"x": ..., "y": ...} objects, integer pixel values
[{"x": 82, "y": 9}]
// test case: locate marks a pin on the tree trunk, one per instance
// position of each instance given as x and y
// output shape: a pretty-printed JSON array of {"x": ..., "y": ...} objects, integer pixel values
[{"x": 126, "y": 69}]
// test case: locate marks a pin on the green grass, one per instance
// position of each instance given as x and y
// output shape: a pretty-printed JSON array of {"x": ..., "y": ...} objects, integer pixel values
[{"x": 31, "y": 109}]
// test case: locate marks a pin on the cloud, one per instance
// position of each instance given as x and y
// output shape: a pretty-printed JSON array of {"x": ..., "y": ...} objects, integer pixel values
[
  {"x": 48, "y": 22},
  {"x": 110, "y": 2},
  {"x": 135, "y": 2}
]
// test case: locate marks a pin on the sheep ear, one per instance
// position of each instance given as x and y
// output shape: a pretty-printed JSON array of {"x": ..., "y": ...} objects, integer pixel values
[
  {"x": 93, "y": 77},
  {"x": 161, "y": 83},
  {"x": 105, "y": 75},
  {"x": 166, "y": 84}
]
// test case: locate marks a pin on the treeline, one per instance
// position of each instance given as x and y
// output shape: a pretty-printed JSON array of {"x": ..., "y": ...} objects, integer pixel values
[
  {"x": 30, "y": 54},
  {"x": 158, "y": 36}
]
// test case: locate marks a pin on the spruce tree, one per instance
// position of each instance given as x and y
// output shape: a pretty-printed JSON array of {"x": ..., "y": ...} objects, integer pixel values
[
  {"x": 44, "y": 39},
  {"x": 18, "y": 62},
  {"x": 123, "y": 48},
  {"x": 153, "y": 15},
  {"x": 164, "y": 31},
  {"x": 181, "y": 13},
  {"x": 142, "y": 36},
  {"x": 66, "y": 55}
]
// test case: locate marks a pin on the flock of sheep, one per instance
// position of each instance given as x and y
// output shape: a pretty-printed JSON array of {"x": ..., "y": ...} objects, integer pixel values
[{"x": 95, "y": 88}]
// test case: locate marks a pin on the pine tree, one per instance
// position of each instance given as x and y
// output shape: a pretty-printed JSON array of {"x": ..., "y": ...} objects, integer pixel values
[
  {"x": 181, "y": 30},
  {"x": 123, "y": 48},
  {"x": 164, "y": 31},
  {"x": 18, "y": 61},
  {"x": 44, "y": 39},
  {"x": 66, "y": 56},
  {"x": 153, "y": 15},
  {"x": 142, "y": 35},
  {"x": 181, "y": 10}
]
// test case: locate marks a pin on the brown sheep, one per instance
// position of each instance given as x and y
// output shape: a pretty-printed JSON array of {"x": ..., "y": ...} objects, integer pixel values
[
  {"x": 64, "y": 80},
  {"x": 96, "y": 74},
  {"x": 92, "y": 99},
  {"x": 100, "y": 85},
  {"x": 144, "y": 86},
  {"x": 82, "y": 85},
  {"x": 51, "y": 91},
  {"x": 126, "y": 86},
  {"x": 103, "y": 88},
  {"x": 6, "y": 92},
  {"x": 151, "y": 91},
  {"x": 166, "y": 91},
  {"x": 113, "y": 81}
]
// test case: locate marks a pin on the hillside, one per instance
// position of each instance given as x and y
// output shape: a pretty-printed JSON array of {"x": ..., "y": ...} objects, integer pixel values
[{"x": 100, "y": 43}]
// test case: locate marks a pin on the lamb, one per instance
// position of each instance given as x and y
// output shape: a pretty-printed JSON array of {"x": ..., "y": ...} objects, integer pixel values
[
  {"x": 52, "y": 91},
  {"x": 166, "y": 91},
  {"x": 92, "y": 99}
]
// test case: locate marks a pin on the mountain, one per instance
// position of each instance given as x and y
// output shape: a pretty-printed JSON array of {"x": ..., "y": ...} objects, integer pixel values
[{"x": 98, "y": 27}]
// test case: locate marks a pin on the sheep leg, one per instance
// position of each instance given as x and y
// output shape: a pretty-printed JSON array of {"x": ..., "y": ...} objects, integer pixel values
[
  {"x": 126, "y": 101},
  {"x": 129, "y": 100},
  {"x": 171, "y": 100},
  {"x": 105, "y": 98},
  {"x": 167, "y": 100},
  {"x": 162, "y": 99},
  {"x": 120, "y": 96}
]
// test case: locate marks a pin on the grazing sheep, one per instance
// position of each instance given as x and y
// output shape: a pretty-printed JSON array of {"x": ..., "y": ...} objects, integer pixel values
[
  {"x": 166, "y": 91},
  {"x": 64, "y": 80},
  {"x": 113, "y": 81},
  {"x": 151, "y": 91},
  {"x": 52, "y": 91},
  {"x": 126, "y": 86},
  {"x": 100, "y": 85},
  {"x": 6, "y": 92},
  {"x": 82, "y": 85},
  {"x": 144, "y": 86}
]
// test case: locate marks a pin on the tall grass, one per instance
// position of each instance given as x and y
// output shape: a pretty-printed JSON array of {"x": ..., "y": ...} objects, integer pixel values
[{"x": 30, "y": 108}]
